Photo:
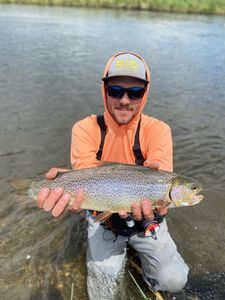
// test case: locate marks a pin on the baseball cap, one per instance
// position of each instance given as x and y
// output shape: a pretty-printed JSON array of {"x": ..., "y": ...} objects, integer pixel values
[{"x": 127, "y": 64}]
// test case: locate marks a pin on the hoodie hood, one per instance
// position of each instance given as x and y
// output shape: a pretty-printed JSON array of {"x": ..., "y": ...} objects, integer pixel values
[
  {"x": 154, "y": 135},
  {"x": 111, "y": 123}
]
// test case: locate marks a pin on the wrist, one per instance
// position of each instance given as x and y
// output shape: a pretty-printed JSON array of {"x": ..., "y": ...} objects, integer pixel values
[
  {"x": 158, "y": 217},
  {"x": 150, "y": 227}
]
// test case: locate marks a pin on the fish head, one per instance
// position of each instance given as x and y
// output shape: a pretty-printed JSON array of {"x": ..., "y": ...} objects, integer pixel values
[
  {"x": 184, "y": 192},
  {"x": 35, "y": 188}
]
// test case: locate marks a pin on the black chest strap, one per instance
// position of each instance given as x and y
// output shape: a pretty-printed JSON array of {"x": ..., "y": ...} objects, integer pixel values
[
  {"x": 139, "y": 159},
  {"x": 101, "y": 124}
]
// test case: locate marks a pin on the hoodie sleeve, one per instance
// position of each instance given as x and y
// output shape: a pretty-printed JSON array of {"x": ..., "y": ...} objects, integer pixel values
[
  {"x": 85, "y": 143},
  {"x": 159, "y": 145}
]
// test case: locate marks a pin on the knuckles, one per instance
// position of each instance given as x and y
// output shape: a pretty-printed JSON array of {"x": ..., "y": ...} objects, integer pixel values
[
  {"x": 142, "y": 209},
  {"x": 56, "y": 201}
]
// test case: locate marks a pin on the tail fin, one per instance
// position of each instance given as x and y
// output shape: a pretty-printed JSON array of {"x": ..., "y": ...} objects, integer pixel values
[{"x": 20, "y": 185}]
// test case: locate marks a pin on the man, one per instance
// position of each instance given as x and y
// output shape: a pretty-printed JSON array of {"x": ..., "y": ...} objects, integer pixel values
[{"x": 124, "y": 135}]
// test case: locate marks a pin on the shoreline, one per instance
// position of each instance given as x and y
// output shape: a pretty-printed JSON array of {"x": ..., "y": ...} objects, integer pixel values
[{"x": 174, "y": 6}]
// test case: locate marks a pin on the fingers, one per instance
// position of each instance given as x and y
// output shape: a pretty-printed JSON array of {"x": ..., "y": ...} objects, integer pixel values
[
  {"x": 142, "y": 210},
  {"x": 52, "y": 198},
  {"x": 77, "y": 202},
  {"x": 152, "y": 165},
  {"x": 136, "y": 211},
  {"x": 61, "y": 205},
  {"x": 123, "y": 214},
  {"x": 147, "y": 210},
  {"x": 162, "y": 211},
  {"x": 52, "y": 173},
  {"x": 56, "y": 201},
  {"x": 42, "y": 196}
]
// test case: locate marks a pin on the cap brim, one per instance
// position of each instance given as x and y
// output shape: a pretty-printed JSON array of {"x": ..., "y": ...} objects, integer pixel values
[{"x": 123, "y": 75}]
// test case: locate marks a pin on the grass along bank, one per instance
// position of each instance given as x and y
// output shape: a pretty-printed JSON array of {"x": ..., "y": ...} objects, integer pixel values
[{"x": 183, "y": 6}]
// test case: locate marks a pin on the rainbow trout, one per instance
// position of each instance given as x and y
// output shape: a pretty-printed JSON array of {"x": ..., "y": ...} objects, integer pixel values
[{"x": 112, "y": 187}]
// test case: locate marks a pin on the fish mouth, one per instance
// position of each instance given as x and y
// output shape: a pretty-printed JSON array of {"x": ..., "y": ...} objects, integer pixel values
[{"x": 195, "y": 198}]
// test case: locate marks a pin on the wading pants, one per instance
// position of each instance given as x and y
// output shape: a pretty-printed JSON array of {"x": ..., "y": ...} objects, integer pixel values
[{"x": 162, "y": 266}]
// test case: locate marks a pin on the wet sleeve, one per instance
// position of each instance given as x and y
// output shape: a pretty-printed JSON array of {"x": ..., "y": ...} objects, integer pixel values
[
  {"x": 160, "y": 147},
  {"x": 84, "y": 144}
]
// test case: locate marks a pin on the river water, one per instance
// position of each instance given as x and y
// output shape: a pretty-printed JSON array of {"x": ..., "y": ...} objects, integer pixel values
[{"x": 51, "y": 62}]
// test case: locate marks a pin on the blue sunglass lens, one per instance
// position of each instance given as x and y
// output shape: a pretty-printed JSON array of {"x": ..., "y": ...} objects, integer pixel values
[
  {"x": 117, "y": 92},
  {"x": 136, "y": 93}
]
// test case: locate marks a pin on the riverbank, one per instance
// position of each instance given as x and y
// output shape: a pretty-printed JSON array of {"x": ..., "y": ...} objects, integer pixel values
[{"x": 216, "y": 7}]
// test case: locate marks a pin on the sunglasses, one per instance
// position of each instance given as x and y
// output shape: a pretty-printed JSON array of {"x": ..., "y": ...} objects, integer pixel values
[{"x": 134, "y": 93}]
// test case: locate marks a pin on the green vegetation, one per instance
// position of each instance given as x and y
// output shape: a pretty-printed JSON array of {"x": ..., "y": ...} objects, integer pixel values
[{"x": 184, "y": 6}]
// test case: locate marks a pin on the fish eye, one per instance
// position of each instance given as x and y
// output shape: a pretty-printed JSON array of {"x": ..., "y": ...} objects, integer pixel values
[{"x": 194, "y": 187}]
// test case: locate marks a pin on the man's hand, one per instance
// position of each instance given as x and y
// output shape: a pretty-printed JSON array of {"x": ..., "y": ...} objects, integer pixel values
[
  {"x": 56, "y": 201},
  {"x": 144, "y": 208},
  {"x": 139, "y": 211}
]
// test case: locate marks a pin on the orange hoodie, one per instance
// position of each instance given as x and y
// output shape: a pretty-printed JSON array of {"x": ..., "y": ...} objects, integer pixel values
[{"x": 155, "y": 137}]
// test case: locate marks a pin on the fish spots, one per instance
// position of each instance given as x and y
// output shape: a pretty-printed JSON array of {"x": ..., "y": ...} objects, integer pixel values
[{"x": 113, "y": 187}]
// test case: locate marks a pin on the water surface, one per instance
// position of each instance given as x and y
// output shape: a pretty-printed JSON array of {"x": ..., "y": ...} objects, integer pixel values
[{"x": 51, "y": 62}]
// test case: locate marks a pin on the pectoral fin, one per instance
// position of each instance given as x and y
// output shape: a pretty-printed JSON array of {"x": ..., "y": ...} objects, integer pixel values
[{"x": 103, "y": 216}]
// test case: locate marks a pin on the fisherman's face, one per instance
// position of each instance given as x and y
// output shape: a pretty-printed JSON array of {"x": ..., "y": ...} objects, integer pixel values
[{"x": 123, "y": 110}]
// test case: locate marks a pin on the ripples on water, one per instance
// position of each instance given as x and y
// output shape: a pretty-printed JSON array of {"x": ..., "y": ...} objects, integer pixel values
[{"x": 51, "y": 62}]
